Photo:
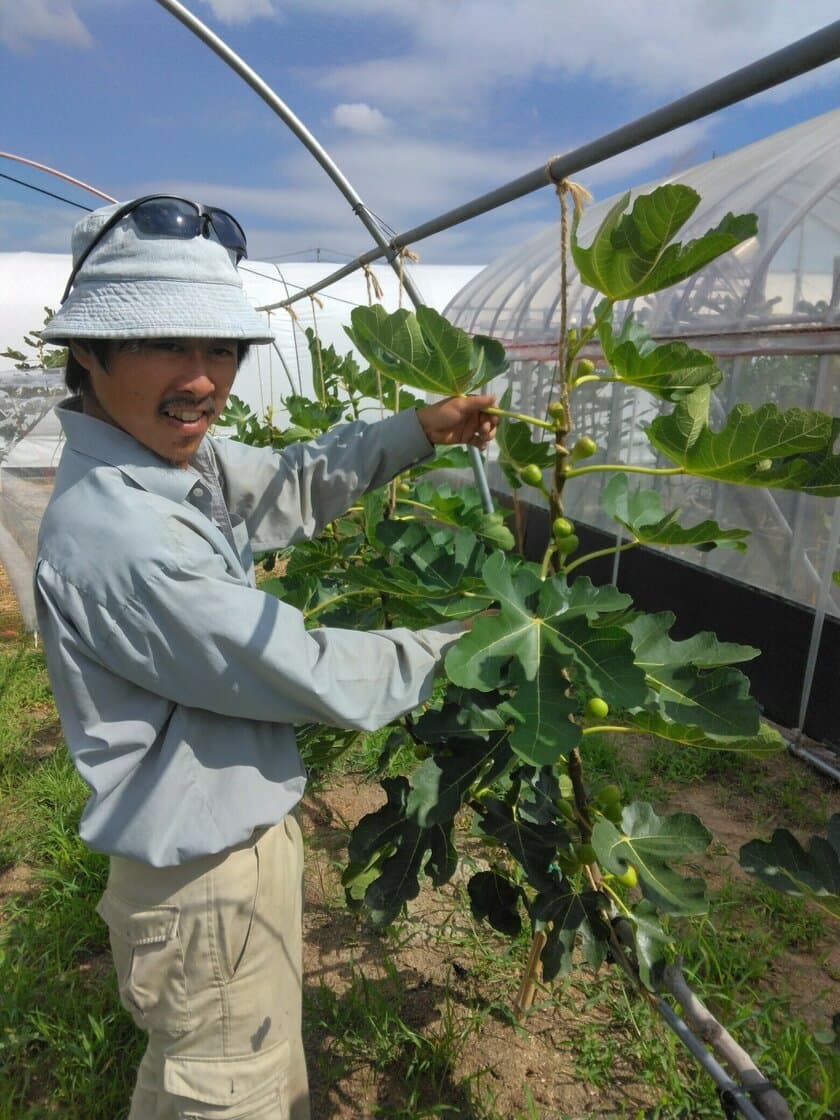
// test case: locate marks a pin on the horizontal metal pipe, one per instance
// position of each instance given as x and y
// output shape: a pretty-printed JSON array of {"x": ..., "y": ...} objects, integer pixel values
[
  {"x": 814, "y": 760},
  {"x": 275, "y": 103},
  {"x": 806, "y": 54}
]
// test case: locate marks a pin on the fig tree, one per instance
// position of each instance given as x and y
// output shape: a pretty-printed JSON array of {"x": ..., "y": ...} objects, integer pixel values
[
  {"x": 586, "y": 853},
  {"x": 608, "y": 798},
  {"x": 609, "y": 794},
  {"x": 584, "y": 447},
  {"x": 565, "y": 809},
  {"x": 566, "y": 545}
]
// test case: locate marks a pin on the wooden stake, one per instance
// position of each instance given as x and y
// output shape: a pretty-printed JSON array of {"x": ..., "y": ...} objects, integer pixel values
[{"x": 531, "y": 976}]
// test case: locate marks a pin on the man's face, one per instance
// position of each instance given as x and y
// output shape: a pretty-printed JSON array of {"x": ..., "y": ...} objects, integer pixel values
[{"x": 164, "y": 392}]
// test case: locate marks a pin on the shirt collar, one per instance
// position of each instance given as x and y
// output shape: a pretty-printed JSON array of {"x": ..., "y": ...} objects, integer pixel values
[{"x": 108, "y": 444}]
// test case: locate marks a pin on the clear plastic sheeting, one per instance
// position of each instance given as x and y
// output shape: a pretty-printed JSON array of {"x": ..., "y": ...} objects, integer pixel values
[{"x": 769, "y": 311}]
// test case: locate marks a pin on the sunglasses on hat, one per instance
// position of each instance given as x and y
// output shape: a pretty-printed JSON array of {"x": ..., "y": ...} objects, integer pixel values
[{"x": 163, "y": 215}]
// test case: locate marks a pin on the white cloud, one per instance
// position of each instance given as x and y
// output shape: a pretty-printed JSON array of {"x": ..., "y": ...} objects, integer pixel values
[
  {"x": 443, "y": 101},
  {"x": 240, "y": 11},
  {"x": 359, "y": 117},
  {"x": 459, "y": 52},
  {"x": 23, "y": 22}
]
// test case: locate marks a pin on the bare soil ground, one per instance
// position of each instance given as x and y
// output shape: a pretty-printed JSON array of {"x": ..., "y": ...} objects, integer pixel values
[
  {"x": 441, "y": 976},
  {"x": 447, "y": 978}
]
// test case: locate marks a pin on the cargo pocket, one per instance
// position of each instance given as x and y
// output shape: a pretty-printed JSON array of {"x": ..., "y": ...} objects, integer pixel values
[
  {"x": 149, "y": 962},
  {"x": 252, "y": 1087}
]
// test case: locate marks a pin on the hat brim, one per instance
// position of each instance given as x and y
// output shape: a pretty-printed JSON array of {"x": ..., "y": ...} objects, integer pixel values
[{"x": 158, "y": 308}]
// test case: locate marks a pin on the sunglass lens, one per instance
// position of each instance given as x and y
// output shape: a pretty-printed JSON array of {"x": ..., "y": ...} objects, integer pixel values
[
  {"x": 167, "y": 217},
  {"x": 228, "y": 231}
]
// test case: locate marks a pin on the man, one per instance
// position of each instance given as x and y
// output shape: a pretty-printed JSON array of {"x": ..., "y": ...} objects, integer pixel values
[{"x": 176, "y": 680}]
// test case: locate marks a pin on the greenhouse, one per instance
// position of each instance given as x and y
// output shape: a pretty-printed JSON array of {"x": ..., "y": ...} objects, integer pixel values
[
  {"x": 770, "y": 314},
  {"x": 432, "y": 682}
]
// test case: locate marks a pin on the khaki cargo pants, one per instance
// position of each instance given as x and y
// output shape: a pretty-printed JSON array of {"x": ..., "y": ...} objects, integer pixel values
[{"x": 208, "y": 959}]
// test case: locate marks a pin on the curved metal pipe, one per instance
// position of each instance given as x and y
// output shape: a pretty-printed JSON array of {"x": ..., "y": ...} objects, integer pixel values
[
  {"x": 295, "y": 125},
  {"x": 58, "y": 174},
  {"x": 278, "y": 106}
]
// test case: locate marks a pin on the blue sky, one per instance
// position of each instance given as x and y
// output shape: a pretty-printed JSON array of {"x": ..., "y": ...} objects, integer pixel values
[{"x": 424, "y": 104}]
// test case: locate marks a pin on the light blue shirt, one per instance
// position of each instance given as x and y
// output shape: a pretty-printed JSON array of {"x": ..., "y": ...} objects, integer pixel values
[{"x": 177, "y": 681}]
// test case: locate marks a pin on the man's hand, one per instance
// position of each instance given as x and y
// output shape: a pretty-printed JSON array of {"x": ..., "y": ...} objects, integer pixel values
[{"x": 460, "y": 420}]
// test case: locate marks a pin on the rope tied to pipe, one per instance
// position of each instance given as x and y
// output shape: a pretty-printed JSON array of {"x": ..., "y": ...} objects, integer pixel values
[
  {"x": 405, "y": 254},
  {"x": 374, "y": 288},
  {"x": 580, "y": 195}
]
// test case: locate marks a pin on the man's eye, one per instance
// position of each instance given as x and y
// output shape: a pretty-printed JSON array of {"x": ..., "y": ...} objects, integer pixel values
[{"x": 168, "y": 345}]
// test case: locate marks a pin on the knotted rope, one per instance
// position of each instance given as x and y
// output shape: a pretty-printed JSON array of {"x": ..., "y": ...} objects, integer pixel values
[
  {"x": 374, "y": 288},
  {"x": 405, "y": 254}
]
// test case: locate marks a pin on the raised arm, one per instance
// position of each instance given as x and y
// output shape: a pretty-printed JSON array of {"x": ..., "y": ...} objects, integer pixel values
[{"x": 290, "y": 495}]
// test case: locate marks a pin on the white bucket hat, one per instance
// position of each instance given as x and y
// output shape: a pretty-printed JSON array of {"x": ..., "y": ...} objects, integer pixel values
[{"x": 140, "y": 284}]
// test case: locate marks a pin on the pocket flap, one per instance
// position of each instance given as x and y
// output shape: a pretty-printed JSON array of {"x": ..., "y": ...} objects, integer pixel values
[
  {"x": 137, "y": 927},
  {"x": 225, "y": 1080}
]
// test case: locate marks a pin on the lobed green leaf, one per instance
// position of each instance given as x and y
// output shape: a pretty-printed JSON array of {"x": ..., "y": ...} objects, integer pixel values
[
  {"x": 631, "y": 254},
  {"x": 424, "y": 350},
  {"x": 670, "y": 370},
  {"x": 790, "y": 450},
  {"x": 784, "y": 864},
  {"x": 641, "y": 513},
  {"x": 648, "y": 842}
]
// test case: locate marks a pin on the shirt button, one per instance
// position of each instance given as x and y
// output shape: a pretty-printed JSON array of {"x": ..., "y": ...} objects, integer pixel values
[{"x": 198, "y": 491}]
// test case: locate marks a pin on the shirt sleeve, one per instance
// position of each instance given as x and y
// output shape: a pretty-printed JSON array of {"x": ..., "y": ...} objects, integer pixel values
[
  {"x": 194, "y": 635},
  {"x": 290, "y": 495}
]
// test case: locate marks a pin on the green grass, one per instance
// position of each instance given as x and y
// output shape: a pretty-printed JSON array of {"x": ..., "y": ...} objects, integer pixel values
[
  {"x": 64, "y": 1041},
  {"x": 729, "y": 959},
  {"x": 364, "y": 1029},
  {"x": 741, "y": 781}
]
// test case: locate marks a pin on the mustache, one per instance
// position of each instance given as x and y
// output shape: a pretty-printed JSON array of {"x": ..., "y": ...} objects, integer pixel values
[{"x": 187, "y": 401}]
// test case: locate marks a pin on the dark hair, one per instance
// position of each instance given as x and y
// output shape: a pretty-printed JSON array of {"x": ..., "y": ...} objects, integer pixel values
[{"x": 76, "y": 376}]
